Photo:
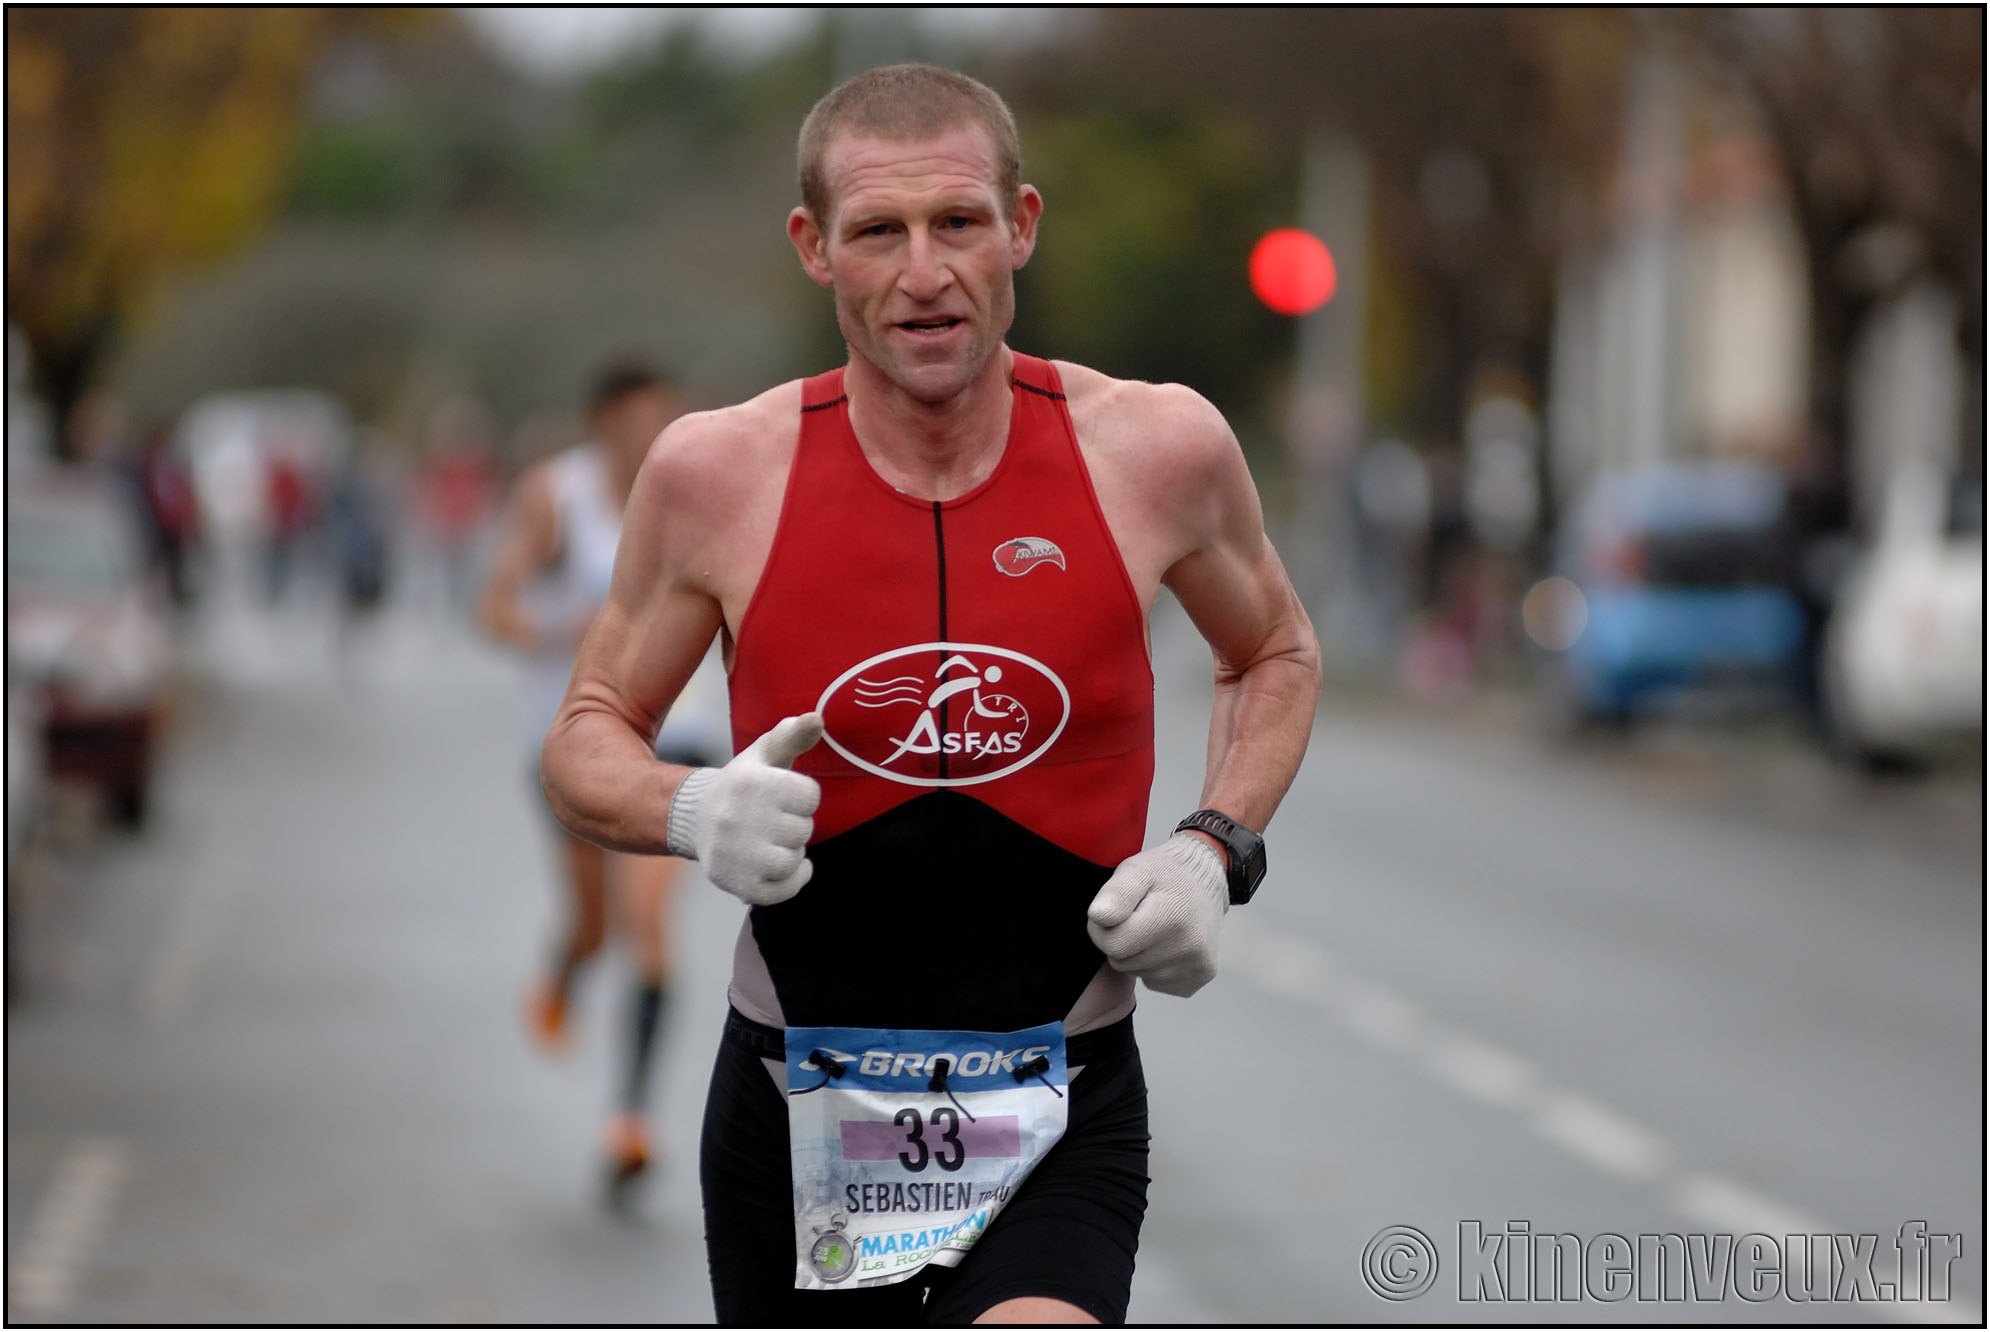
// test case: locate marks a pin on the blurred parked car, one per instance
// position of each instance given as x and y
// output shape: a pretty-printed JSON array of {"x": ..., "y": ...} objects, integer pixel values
[
  {"x": 1683, "y": 575},
  {"x": 1904, "y": 651},
  {"x": 87, "y": 629},
  {"x": 25, "y": 768}
]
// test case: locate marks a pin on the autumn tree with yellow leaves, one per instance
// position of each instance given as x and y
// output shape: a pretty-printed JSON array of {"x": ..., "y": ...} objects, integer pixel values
[{"x": 140, "y": 142}]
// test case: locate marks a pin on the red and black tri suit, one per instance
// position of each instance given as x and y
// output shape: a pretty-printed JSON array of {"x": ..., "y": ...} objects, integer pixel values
[{"x": 982, "y": 667}]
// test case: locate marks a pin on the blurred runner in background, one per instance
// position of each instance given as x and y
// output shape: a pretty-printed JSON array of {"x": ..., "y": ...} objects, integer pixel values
[{"x": 549, "y": 575}]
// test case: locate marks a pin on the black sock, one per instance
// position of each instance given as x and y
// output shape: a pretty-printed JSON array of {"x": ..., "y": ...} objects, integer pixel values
[{"x": 645, "y": 1014}]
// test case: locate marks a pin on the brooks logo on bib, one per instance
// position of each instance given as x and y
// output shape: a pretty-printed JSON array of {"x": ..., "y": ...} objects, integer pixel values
[{"x": 944, "y": 714}]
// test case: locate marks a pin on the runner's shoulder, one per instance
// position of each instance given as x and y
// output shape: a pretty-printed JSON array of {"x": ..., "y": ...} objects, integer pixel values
[
  {"x": 1167, "y": 430},
  {"x": 702, "y": 460}
]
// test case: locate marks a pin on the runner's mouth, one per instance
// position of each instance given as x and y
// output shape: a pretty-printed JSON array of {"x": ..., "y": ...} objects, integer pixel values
[{"x": 927, "y": 325}]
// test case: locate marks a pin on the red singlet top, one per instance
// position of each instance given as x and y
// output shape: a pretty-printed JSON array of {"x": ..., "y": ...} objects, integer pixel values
[{"x": 981, "y": 667}]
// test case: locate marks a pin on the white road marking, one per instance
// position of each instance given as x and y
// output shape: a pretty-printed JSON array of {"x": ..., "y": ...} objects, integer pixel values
[
  {"x": 1379, "y": 1016},
  {"x": 1585, "y": 1128},
  {"x": 1938, "y": 1313},
  {"x": 1601, "y": 1136},
  {"x": 1160, "y": 1296},
  {"x": 67, "y": 1226},
  {"x": 1285, "y": 966},
  {"x": 1727, "y": 1208},
  {"x": 219, "y": 872},
  {"x": 1480, "y": 1070}
]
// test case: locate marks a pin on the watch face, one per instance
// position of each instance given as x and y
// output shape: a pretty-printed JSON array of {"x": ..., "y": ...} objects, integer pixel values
[
  {"x": 1247, "y": 864},
  {"x": 1254, "y": 865}
]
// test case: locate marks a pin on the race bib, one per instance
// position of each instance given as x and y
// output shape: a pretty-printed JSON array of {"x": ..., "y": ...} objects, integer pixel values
[{"x": 906, "y": 1144}]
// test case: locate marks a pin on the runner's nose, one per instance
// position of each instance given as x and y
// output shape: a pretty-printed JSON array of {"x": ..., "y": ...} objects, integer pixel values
[{"x": 925, "y": 275}]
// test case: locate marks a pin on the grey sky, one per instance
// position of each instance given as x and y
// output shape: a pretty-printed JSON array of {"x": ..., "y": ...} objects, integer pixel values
[
  {"x": 554, "y": 41},
  {"x": 557, "y": 41}
]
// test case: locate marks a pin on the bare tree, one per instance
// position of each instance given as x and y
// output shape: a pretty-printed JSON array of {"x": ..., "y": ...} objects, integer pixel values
[{"x": 1878, "y": 117}]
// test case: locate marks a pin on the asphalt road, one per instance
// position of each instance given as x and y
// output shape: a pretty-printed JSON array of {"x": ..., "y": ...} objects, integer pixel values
[{"x": 265, "y": 1061}]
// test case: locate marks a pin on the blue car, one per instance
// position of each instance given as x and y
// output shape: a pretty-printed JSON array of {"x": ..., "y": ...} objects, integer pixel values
[{"x": 1685, "y": 572}]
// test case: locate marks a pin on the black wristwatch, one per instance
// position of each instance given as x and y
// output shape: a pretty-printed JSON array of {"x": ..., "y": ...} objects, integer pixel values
[{"x": 1246, "y": 850}]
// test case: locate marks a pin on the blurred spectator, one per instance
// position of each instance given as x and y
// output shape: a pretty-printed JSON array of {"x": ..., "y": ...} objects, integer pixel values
[
  {"x": 353, "y": 520},
  {"x": 287, "y": 514},
  {"x": 1440, "y": 655},
  {"x": 1819, "y": 519},
  {"x": 172, "y": 514},
  {"x": 149, "y": 482},
  {"x": 456, "y": 493}
]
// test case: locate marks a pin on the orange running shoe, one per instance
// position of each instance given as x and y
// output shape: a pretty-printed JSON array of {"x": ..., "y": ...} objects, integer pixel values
[
  {"x": 628, "y": 1155},
  {"x": 546, "y": 1017}
]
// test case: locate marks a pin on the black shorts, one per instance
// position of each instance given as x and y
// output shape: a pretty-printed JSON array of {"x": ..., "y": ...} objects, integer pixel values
[{"x": 1069, "y": 1232}]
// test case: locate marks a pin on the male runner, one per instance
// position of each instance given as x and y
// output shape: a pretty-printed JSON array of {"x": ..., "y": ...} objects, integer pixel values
[
  {"x": 931, "y": 572},
  {"x": 547, "y": 580}
]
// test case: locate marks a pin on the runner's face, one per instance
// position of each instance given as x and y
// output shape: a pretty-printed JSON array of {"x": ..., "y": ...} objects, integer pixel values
[{"x": 921, "y": 252}]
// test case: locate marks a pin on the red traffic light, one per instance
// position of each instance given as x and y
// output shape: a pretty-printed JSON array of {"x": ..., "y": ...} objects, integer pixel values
[{"x": 1292, "y": 272}]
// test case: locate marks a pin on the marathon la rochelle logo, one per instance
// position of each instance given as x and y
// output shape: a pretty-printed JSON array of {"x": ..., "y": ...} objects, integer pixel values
[
  {"x": 944, "y": 714},
  {"x": 1022, "y": 554}
]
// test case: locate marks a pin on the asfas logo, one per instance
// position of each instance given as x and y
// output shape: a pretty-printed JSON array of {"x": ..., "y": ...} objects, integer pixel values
[
  {"x": 1018, "y": 556},
  {"x": 987, "y": 711}
]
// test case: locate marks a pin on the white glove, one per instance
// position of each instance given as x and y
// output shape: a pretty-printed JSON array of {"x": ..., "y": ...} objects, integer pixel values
[
  {"x": 1158, "y": 915},
  {"x": 749, "y": 822}
]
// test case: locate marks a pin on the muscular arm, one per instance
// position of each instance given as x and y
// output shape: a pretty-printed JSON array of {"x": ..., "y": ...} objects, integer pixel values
[
  {"x": 599, "y": 773},
  {"x": 1186, "y": 516},
  {"x": 1185, "y": 512},
  {"x": 1235, "y": 590}
]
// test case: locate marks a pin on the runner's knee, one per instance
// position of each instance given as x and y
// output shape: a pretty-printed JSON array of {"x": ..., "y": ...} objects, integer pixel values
[{"x": 1035, "y": 1309}]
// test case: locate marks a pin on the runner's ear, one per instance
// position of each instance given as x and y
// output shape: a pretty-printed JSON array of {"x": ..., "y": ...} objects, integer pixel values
[
  {"x": 1022, "y": 225},
  {"x": 810, "y": 245}
]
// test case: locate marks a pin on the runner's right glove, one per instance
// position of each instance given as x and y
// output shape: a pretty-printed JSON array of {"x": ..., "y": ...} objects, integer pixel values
[{"x": 749, "y": 822}]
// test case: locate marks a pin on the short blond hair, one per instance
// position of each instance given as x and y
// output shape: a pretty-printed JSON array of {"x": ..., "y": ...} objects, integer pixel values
[{"x": 906, "y": 102}]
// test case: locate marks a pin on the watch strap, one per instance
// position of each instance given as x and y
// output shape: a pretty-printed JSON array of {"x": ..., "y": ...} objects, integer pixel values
[{"x": 1245, "y": 854}]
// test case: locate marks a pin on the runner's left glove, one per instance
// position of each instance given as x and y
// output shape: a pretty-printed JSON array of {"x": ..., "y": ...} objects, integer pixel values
[
  {"x": 749, "y": 822},
  {"x": 1157, "y": 917}
]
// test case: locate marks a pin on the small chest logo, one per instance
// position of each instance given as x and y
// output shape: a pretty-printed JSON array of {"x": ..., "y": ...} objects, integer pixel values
[
  {"x": 1022, "y": 554},
  {"x": 944, "y": 714}
]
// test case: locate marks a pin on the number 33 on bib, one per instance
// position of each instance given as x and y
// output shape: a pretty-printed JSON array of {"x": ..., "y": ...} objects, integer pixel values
[{"x": 906, "y": 1144}]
